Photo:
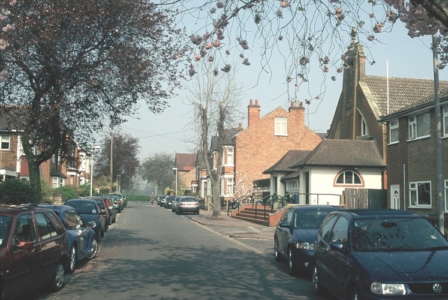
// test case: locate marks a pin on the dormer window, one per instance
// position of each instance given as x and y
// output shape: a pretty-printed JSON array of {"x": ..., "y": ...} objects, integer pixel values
[{"x": 281, "y": 126}]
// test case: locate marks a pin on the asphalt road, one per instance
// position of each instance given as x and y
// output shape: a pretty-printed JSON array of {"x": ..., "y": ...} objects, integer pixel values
[{"x": 152, "y": 253}]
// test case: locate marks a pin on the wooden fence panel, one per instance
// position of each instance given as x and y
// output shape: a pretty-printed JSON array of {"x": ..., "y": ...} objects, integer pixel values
[{"x": 365, "y": 198}]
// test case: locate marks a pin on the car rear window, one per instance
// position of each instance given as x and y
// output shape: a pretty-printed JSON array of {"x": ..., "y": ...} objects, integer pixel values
[
  {"x": 188, "y": 200},
  {"x": 83, "y": 207}
]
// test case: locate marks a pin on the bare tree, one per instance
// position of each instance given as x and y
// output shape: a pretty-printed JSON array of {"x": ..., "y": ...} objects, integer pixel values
[
  {"x": 79, "y": 65},
  {"x": 215, "y": 97}
]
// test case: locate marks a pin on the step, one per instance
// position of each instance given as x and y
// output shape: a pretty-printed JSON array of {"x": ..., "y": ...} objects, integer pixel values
[{"x": 253, "y": 220}]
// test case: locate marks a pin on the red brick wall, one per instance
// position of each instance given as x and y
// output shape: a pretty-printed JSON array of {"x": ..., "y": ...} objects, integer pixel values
[
  {"x": 8, "y": 158},
  {"x": 257, "y": 148}
]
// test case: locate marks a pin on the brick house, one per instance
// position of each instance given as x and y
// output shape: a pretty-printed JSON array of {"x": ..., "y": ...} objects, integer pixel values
[
  {"x": 267, "y": 139},
  {"x": 13, "y": 163},
  {"x": 186, "y": 172},
  {"x": 412, "y": 176},
  {"x": 364, "y": 99}
]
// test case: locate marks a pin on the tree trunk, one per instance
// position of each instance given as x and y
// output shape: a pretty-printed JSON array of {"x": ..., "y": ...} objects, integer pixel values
[
  {"x": 216, "y": 200},
  {"x": 35, "y": 182}
]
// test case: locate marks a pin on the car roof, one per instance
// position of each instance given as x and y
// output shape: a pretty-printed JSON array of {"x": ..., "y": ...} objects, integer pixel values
[
  {"x": 15, "y": 209},
  {"x": 317, "y": 207},
  {"x": 377, "y": 213},
  {"x": 81, "y": 200}
]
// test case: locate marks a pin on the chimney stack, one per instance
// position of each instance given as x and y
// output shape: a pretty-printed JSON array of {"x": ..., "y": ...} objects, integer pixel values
[{"x": 253, "y": 113}]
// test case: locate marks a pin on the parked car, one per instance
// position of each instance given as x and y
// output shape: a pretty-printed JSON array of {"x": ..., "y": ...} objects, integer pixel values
[
  {"x": 103, "y": 209},
  {"x": 160, "y": 198},
  {"x": 169, "y": 201},
  {"x": 118, "y": 201},
  {"x": 175, "y": 203},
  {"x": 187, "y": 204},
  {"x": 121, "y": 198},
  {"x": 90, "y": 211},
  {"x": 163, "y": 201},
  {"x": 380, "y": 254},
  {"x": 295, "y": 233},
  {"x": 33, "y": 249},
  {"x": 81, "y": 237}
]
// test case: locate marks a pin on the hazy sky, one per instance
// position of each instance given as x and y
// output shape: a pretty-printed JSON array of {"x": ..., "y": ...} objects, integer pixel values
[{"x": 169, "y": 132}]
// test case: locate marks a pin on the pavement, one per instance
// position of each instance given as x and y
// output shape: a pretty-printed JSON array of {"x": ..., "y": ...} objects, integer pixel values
[{"x": 233, "y": 227}]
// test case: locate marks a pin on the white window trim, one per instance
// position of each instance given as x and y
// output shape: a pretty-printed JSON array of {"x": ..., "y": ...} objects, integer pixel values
[
  {"x": 279, "y": 123},
  {"x": 445, "y": 121},
  {"x": 364, "y": 131},
  {"x": 230, "y": 159},
  {"x": 347, "y": 184},
  {"x": 411, "y": 189},
  {"x": 394, "y": 127},
  {"x": 446, "y": 194},
  {"x": 413, "y": 128},
  {"x": 9, "y": 142},
  {"x": 225, "y": 185}
]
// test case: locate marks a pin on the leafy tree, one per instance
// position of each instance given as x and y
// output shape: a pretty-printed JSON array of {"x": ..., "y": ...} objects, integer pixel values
[
  {"x": 158, "y": 168},
  {"x": 66, "y": 193},
  {"x": 74, "y": 66},
  {"x": 125, "y": 162}
]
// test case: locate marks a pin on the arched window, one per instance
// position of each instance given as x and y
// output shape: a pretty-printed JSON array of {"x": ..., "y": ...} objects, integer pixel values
[{"x": 348, "y": 178}]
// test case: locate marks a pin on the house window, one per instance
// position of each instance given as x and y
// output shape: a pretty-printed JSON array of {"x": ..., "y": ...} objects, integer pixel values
[
  {"x": 5, "y": 141},
  {"x": 229, "y": 157},
  {"x": 281, "y": 126},
  {"x": 420, "y": 194},
  {"x": 348, "y": 178},
  {"x": 363, "y": 127},
  {"x": 445, "y": 121},
  {"x": 226, "y": 186},
  {"x": 393, "y": 131},
  {"x": 54, "y": 182},
  {"x": 419, "y": 126},
  {"x": 293, "y": 185}
]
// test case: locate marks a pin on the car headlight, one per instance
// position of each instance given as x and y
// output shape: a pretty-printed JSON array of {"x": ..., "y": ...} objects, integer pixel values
[
  {"x": 305, "y": 246},
  {"x": 388, "y": 288}
]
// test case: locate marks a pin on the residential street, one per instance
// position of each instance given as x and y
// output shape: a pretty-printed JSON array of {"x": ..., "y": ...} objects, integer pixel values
[{"x": 152, "y": 253}]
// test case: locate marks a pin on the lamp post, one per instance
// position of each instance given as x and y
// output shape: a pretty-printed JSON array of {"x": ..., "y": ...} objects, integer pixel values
[
  {"x": 175, "y": 169},
  {"x": 91, "y": 168}
]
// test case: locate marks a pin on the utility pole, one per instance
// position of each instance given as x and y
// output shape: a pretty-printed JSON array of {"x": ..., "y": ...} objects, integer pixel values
[
  {"x": 111, "y": 160},
  {"x": 438, "y": 140}
]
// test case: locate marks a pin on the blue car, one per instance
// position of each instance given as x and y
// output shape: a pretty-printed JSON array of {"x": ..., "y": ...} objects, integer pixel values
[
  {"x": 82, "y": 242},
  {"x": 89, "y": 211}
]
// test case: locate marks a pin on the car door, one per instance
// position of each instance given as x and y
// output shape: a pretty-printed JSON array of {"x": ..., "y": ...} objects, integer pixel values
[
  {"x": 74, "y": 222},
  {"x": 284, "y": 233},
  {"x": 49, "y": 240},
  {"x": 25, "y": 255},
  {"x": 322, "y": 248},
  {"x": 338, "y": 265}
]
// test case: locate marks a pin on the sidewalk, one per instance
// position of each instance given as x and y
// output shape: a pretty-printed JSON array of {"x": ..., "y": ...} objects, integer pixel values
[{"x": 235, "y": 228}]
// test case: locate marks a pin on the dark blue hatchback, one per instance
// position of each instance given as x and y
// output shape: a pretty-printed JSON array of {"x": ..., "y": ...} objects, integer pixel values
[
  {"x": 380, "y": 254},
  {"x": 295, "y": 233}
]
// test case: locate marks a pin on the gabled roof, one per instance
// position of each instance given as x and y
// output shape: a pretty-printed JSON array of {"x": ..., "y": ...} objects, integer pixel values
[
  {"x": 402, "y": 91},
  {"x": 185, "y": 161},
  {"x": 291, "y": 157},
  {"x": 343, "y": 153}
]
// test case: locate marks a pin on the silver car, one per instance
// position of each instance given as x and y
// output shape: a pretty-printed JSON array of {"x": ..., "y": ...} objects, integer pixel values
[{"x": 187, "y": 204}]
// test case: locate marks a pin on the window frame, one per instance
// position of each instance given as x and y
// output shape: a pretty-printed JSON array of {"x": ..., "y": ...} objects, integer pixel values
[
  {"x": 394, "y": 128},
  {"x": 414, "y": 191},
  {"x": 230, "y": 155},
  {"x": 354, "y": 176},
  {"x": 445, "y": 184},
  {"x": 4, "y": 142},
  {"x": 445, "y": 120},
  {"x": 414, "y": 128},
  {"x": 364, "y": 130},
  {"x": 281, "y": 126}
]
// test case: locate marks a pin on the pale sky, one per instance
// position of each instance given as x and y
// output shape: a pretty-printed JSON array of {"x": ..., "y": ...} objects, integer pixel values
[{"x": 169, "y": 133}]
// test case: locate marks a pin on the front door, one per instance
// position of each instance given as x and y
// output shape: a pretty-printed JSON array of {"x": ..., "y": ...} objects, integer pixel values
[{"x": 395, "y": 196}]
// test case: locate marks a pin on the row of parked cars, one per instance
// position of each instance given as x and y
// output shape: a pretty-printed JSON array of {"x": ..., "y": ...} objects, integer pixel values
[
  {"x": 179, "y": 204},
  {"x": 364, "y": 254},
  {"x": 41, "y": 243}
]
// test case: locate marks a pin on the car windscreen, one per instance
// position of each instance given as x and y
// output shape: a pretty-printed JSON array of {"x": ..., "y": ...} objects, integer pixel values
[
  {"x": 5, "y": 227},
  {"x": 83, "y": 207},
  {"x": 396, "y": 234},
  {"x": 309, "y": 219}
]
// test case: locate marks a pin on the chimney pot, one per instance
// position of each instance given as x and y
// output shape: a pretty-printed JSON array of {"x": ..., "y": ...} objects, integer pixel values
[
  {"x": 250, "y": 102},
  {"x": 256, "y": 102}
]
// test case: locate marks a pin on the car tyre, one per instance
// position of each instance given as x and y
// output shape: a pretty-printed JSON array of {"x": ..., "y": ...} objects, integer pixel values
[
  {"x": 318, "y": 289},
  {"x": 180, "y": 212},
  {"x": 276, "y": 253},
  {"x": 291, "y": 264},
  {"x": 197, "y": 212},
  {"x": 71, "y": 261},
  {"x": 93, "y": 249},
  {"x": 58, "y": 279},
  {"x": 102, "y": 233}
]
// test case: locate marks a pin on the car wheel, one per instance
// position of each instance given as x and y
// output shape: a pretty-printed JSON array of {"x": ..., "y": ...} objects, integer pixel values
[
  {"x": 276, "y": 253},
  {"x": 115, "y": 219},
  {"x": 71, "y": 261},
  {"x": 353, "y": 294},
  {"x": 93, "y": 249},
  {"x": 197, "y": 212},
  {"x": 318, "y": 289},
  {"x": 180, "y": 212},
  {"x": 291, "y": 264},
  {"x": 58, "y": 278},
  {"x": 102, "y": 233}
]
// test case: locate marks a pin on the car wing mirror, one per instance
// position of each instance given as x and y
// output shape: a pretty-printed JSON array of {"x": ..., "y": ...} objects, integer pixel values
[{"x": 338, "y": 246}]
